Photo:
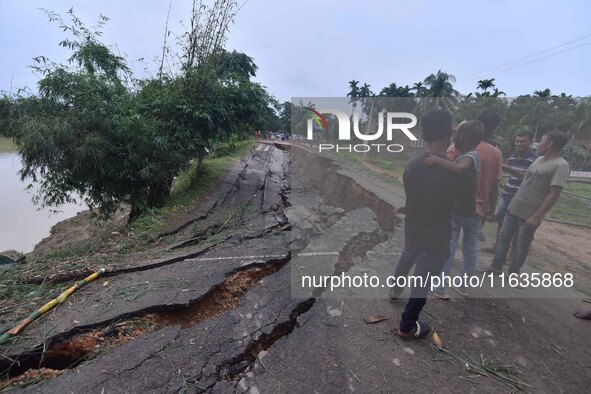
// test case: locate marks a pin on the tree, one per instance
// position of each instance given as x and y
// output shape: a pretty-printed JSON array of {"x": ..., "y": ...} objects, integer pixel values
[
  {"x": 90, "y": 132},
  {"x": 485, "y": 84},
  {"x": 419, "y": 89},
  {"x": 542, "y": 93},
  {"x": 354, "y": 93},
  {"x": 285, "y": 116},
  {"x": 496, "y": 93},
  {"x": 440, "y": 87},
  {"x": 393, "y": 98},
  {"x": 581, "y": 129},
  {"x": 365, "y": 91}
]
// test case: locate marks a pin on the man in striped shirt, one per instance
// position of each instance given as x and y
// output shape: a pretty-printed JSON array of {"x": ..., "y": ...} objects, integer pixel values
[{"x": 516, "y": 166}]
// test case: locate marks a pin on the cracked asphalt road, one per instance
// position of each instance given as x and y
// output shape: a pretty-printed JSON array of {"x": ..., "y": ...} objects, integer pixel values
[{"x": 282, "y": 213}]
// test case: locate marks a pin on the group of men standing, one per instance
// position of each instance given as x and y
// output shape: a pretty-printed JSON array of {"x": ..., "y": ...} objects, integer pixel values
[{"x": 454, "y": 188}]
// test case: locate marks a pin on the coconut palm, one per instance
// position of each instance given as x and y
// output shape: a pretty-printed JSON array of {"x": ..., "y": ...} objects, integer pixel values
[
  {"x": 440, "y": 87},
  {"x": 485, "y": 84},
  {"x": 542, "y": 93},
  {"x": 354, "y": 93},
  {"x": 541, "y": 108},
  {"x": 419, "y": 89},
  {"x": 365, "y": 91},
  {"x": 496, "y": 93}
]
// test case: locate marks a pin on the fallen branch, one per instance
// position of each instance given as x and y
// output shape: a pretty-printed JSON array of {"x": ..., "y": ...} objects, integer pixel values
[{"x": 17, "y": 329}]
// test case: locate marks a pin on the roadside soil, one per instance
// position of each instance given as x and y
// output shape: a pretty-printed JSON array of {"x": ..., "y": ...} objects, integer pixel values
[{"x": 212, "y": 303}]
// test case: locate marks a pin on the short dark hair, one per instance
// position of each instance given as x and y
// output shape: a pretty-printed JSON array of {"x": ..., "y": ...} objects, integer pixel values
[
  {"x": 558, "y": 140},
  {"x": 528, "y": 134},
  {"x": 473, "y": 132},
  {"x": 436, "y": 125},
  {"x": 490, "y": 119}
]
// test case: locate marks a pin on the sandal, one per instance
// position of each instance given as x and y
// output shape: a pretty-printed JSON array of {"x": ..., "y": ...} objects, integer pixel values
[{"x": 421, "y": 330}]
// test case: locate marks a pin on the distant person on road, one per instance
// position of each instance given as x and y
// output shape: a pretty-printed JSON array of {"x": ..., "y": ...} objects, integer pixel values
[
  {"x": 539, "y": 191},
  {"x": 464, "y": 215},
  {"x": 430, "y": 193},
  {"x": 521, "y": 158}
]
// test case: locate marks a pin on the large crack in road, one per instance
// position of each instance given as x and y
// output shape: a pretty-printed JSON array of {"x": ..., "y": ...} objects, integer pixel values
[
  {"x": 223, "y": 309},
  {"x": 221, "y": 280}
]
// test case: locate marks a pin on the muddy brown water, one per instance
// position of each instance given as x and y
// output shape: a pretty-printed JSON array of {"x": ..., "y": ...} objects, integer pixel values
[{"x": 22, "y": 223}]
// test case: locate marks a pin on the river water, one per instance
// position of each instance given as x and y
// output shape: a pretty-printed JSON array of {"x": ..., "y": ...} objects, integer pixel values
[{"x": 22, "y": 223}]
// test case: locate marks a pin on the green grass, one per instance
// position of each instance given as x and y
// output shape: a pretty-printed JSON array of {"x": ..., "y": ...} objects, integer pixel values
[
  {"x": 582, "y": 189},
  {"x": 189, "y": 187},
  {"x": 7, "y": 145},
  {"x": 351, "y": 157},
  {"x": 82, "y": 248},
  {"x": 571, "y": 208},
  {"x": 20, "y": 299},
  {"x": 393, "y": 164}
]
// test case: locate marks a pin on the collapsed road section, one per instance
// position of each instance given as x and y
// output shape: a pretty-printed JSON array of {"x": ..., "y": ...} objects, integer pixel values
[
  {"x": 217, "y": 304},
  {"x": 203, "y": 313}
]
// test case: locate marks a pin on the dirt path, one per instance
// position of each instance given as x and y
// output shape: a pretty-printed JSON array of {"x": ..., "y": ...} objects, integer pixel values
[
  {"x": 571, "y": 241},
  {"x": 220, "y": 309}
]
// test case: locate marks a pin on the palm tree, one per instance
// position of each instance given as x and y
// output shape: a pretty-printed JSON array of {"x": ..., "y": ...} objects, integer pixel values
[
  {"x": 399, "y": 98},
  {"x": 541, "y": 108},
  {"x": 542, "y": 93},
  {"x": 354, "y": 93},
  {"x": 354, "y": 89},
  {"x": 485, "y": 84},
  {"x": 419, "y": 89},
  {"x": 440, "y": 86},
  {"x": 582, "y": 126},
  {"x": 497, "y": 93},
  {"x": 365, "y": 91}
]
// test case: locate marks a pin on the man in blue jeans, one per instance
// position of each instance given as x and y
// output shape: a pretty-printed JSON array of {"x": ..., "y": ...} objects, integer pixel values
[
  {"x": 430, "y": 193},
  {"x": 539, "y": 191},
  {"x": 517, "y": 164}
]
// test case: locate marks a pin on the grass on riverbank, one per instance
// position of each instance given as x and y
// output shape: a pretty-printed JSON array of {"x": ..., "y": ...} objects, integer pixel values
[
  {"x": 189, "y": 187},
  {"x": 7, "y": 145}
]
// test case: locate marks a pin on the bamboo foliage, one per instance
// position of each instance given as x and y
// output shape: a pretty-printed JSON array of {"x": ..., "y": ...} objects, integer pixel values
[{"x": 208, "y": 32}]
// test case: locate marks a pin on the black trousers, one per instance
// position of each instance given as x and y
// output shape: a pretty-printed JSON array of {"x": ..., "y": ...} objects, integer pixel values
[{"x": 428, "y": 261}]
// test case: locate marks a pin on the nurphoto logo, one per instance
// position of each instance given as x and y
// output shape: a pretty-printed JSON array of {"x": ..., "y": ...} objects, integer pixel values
[{"x": 392, "y": 120}]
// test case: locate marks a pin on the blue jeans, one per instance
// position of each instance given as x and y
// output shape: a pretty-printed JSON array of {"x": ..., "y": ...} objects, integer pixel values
[
  {"x": 525, "y": 234},
  {"x": 472, "y": 226},
  {"x": 428, "y": 261},
  {"x": 502, "y": 207}
]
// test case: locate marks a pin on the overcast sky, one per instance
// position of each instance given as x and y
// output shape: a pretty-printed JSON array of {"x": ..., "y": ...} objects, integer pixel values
[{"x": 313, "y": 48}]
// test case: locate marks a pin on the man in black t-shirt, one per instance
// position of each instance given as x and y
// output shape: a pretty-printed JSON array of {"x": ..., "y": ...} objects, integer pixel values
[{"x": 430, "y": 193}]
